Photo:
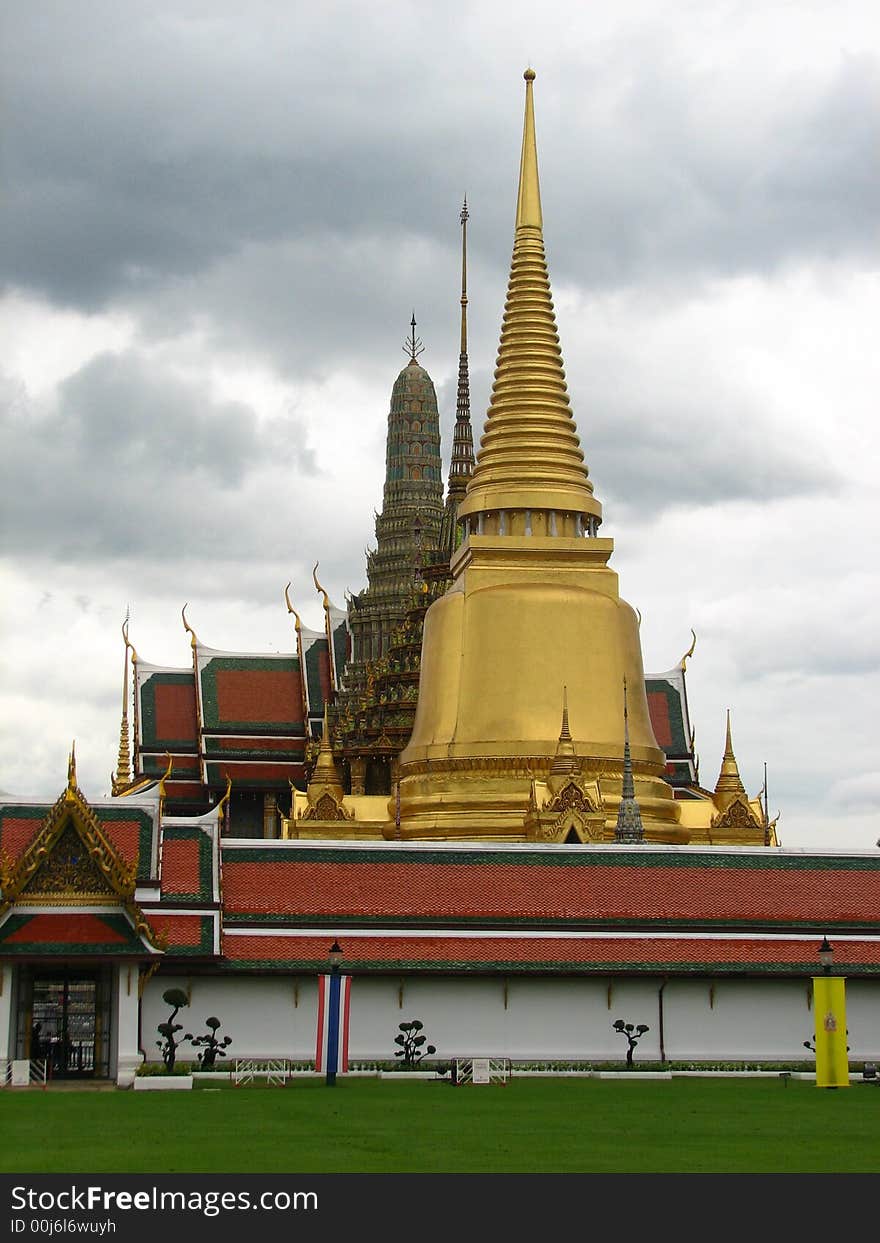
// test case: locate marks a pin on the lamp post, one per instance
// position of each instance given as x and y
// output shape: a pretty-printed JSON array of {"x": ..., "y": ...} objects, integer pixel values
[
  {"x": 334, "y": 954},
  {"x": 826, "y": 955}
]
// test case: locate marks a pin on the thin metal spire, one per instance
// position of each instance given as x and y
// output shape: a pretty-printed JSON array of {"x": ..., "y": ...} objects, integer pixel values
[
  {"x": 413, "y": 345},
  {"x": 629, "y": 817},
  {"x": 462, "y": 463}
]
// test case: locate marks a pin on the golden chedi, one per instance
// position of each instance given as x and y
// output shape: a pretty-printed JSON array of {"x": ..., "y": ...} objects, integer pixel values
[{"x": 533, "y": 605}]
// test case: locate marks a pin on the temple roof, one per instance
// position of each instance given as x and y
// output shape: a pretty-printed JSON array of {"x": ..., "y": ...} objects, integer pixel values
[
  {"x": 131, "y": 826},
  {"x": 523, "y": 954},
  {"x": 637, "y": 886},
  {"x": 72, "y": 933}
]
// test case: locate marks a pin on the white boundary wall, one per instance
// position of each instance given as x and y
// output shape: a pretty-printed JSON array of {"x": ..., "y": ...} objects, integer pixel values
[{"x": 520, "y": 1018}]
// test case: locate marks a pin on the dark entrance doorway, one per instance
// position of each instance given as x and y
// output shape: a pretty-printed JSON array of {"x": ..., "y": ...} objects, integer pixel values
[{"x": 64, "y": 1020}]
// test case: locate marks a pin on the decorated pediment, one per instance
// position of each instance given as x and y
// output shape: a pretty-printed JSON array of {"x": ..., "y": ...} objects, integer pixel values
[
  {"x": 69, "y": 869},
  {"x": 326, "y": 807},
  {"x": 70, "y": 858},
  {"x": 738, "y": 815},
  {"x": 575, "y": 813},
  {"x": 71, "y": 863},
  {"x": 574, "y": 797}
]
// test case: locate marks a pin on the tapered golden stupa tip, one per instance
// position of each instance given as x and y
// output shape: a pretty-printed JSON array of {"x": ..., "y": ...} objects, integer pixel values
[{"x": 530, "y": 464}]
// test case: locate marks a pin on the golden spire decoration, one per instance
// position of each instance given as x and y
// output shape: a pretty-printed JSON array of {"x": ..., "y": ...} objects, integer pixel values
[
  {"x": 224, "y": 802},
  {"x": 325, "y": 778},
  {"x": 328, "y": 627},
  {"x": 530, "y": 457},
  {"x": 303, "y": 680},
  {"x": 565, "y": 760},
  {"x": 729, "y": 783},
  {"x": 123, "y": 762},
  {"x": 165, "y": 775},
  {"x": 688, "y": 654},
  {"x": 188, "y": 628},
  {"x": 71, "y": 770}
]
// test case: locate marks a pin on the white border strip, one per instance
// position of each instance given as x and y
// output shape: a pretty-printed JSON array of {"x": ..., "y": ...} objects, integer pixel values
[{"x": 550, "y": 934}]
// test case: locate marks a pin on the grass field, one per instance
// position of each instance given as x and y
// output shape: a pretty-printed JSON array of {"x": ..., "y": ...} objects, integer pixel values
[{"x": 528, "y": 1126}]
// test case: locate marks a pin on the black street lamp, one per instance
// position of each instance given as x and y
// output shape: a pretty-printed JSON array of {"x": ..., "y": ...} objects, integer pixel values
[
  {"x": 334, "y": 954},
  {"x": 826, "y": 955}
]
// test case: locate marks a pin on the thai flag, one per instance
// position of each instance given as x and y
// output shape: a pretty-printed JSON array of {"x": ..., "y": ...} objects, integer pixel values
[{"x": 331, "y": 1052}]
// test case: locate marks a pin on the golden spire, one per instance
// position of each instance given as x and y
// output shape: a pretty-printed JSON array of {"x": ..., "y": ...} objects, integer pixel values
[
  {"x": 325, "y": 778},
  {"x": 729, "y": 783},
  {"x": 530, "y": 457},
  {"x": 528, "y": 200},
  {"x": 123, "y": 762},
  {"x": 565, "y": 760},
  {"x": 71, "y": 771}
]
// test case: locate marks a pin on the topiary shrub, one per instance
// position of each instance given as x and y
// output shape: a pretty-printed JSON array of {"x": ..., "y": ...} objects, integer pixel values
[
  {"x": 212, "y": 1048},
  {"x": 411, "y": 1043},
  {"x": 177, "y": 999}
]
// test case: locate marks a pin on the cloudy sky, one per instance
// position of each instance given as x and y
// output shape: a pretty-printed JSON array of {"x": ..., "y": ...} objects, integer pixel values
[{"x": 217, "y": 221}]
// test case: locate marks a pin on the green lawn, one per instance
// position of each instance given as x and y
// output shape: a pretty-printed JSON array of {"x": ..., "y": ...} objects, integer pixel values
[{"x": 528, "y": 1126}]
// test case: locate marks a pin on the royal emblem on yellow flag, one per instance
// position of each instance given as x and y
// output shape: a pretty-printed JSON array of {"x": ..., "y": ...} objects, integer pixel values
[{"x": 829, "y": 1007}]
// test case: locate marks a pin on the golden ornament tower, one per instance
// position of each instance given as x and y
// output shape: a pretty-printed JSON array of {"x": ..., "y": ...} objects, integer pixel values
[{"x": 533, "y": 605}]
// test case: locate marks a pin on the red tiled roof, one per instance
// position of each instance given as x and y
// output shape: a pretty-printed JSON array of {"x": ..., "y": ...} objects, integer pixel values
[
  {"x": 658, "y": 709},
  {"x": 18, "y": 832},
  {"x": 52, "y": 929},
  {"x": 181, "y": 930},
  {"x": 239, "y": 742},
  {"x": 67, "y": 932},
  {"x": 562, "y": 953},
  {"x": 263, "y": 695},
  {"x": 175, "y": 710},
  {"x": 244, "y": 771},
  {"x": 125, "y": 837},
  {"x": 180, "y": 866},
  {"x": 549, "y": 891}
]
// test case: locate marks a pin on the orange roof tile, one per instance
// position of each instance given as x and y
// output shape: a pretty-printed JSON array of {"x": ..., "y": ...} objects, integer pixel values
[
  {"x": 553, "y": 888},
  {"x": 653, "y": 954}
]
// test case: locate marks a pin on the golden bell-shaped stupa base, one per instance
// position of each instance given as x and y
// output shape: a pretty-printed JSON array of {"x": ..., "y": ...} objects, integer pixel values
[{"x": 525, "y": 617}]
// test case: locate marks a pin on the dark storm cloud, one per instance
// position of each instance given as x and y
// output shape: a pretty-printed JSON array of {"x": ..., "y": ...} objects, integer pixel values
[
  {"x": 680, "y": 176},
  {"x": 294, "y": 175},
  {"x": 133, "y": 462}
]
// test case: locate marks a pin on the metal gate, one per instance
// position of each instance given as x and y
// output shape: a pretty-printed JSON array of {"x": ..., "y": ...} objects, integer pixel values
[{"x": 64, "y": 1020}]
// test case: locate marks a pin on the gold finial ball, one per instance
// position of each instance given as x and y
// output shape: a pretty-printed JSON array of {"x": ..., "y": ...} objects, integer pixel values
[{"x": 529, "y": 75}]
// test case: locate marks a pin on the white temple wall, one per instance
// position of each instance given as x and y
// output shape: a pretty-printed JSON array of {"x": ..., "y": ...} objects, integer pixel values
[
  {"x": 125, "y": 1057},
  {"x": 863, "y": 1020},
  {"x": 524, "y": 1018},
  {"x": 7, "y": 1014}
]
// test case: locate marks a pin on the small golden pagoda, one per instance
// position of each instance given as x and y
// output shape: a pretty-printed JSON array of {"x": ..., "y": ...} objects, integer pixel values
[{"x": 533, "y": 605}]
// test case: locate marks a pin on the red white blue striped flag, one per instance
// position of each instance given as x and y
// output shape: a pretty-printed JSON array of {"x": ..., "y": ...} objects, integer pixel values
[{"x": 331, "y": 1052}]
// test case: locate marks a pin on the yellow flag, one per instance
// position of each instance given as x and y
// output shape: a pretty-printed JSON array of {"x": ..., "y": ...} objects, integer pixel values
[{"x": 829, "y": 1009}]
